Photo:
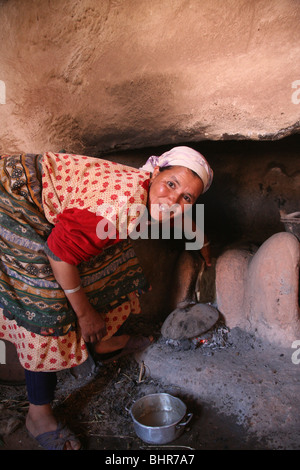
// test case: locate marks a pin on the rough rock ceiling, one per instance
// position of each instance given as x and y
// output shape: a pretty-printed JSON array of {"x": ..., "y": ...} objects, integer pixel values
[{"x": 95, "y": 76}]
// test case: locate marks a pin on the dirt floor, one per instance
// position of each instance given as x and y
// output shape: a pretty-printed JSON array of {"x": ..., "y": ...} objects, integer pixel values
[{"x": 243, "y": 396}]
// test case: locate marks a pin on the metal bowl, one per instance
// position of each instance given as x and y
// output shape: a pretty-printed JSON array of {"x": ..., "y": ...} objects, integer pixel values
[{"x": 159, "y": 418}]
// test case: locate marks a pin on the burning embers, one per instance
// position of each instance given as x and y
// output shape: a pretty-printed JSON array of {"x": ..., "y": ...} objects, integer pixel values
[
  {"x": 218, "y": 337},
  {"x": 195, "y": 325}
]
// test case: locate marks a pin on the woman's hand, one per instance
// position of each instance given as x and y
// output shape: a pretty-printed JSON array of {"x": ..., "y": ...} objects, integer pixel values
[
  {"x": 92, "y": 325},
  {"x": 91, "y": 322},
  {"x": 205, "y": 252}
]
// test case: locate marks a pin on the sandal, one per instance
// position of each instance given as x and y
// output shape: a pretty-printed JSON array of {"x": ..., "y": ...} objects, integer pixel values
[
  {"x": 134, "y": 344},
  {"x": 56, "y": 440}
]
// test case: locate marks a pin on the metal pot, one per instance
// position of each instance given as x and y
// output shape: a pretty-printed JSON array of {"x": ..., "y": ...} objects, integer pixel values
[{"x": 158, "y": 418}]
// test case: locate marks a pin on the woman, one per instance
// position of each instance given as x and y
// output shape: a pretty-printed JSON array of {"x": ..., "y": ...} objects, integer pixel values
[{"x": 68, "y": 275}]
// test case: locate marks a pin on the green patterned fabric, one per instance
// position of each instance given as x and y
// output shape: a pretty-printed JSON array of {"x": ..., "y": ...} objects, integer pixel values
[{"x": 29, "y": 292}]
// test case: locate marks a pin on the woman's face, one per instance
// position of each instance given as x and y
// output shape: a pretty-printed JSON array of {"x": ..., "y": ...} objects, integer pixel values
[{"x": 175, "y": 186}]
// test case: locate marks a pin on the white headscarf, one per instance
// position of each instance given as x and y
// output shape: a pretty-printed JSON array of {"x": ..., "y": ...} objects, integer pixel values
[{"x": 186, "y": 157}]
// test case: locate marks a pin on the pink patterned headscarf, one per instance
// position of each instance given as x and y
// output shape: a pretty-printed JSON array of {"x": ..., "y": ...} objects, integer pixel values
[{"x": 186, "y": 157}]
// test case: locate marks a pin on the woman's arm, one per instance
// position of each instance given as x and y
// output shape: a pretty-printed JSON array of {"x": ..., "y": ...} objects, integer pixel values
[
  {"x": 199, "y": 235},
  {"x": 205, "y": 251},
  {"x": 91, "y": 322}
]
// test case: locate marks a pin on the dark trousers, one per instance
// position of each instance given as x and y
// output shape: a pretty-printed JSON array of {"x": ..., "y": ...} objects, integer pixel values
[{"x": 40, "y": 387}]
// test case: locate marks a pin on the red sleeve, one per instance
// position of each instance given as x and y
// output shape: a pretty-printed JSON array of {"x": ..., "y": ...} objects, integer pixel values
[{"x": 74, "y": 238}]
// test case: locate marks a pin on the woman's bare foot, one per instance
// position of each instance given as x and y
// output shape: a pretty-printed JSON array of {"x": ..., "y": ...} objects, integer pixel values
[
  {"x": 116, "y": 343},
  {"x": 40, "y": 419},
  {"x": 112, "y": 344}
]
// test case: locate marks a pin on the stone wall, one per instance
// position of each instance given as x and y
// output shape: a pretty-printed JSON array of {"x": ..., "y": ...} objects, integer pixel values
[{"x": 93, "y": 76}]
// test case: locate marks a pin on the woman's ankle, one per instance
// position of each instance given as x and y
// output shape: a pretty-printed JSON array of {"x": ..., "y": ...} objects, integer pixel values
[{"x": 40, "y": 419}]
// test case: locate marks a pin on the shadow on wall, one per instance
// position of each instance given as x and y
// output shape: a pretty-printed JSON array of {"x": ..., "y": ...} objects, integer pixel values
[{"x": 253, "y": 182}]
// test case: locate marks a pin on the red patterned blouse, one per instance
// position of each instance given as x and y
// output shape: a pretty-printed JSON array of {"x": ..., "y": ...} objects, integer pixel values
[{"x": 91, "y": 203}]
